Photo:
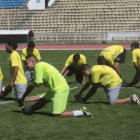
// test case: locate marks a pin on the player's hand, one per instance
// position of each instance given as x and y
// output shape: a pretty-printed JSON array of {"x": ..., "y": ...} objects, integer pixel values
[{"x": 11, "y": 84}]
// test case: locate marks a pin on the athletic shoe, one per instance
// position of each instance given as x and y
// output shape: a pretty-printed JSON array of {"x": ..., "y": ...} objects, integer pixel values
[
  {"x": 22, "y": 109},
  {"x": 86, "y": 113},
  {"x": 135, "y": 99},
  {"x": 79, "y": 100}
]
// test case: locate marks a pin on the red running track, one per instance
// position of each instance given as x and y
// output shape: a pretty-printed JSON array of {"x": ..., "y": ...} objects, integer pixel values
[{"x": 66, "y": 47}]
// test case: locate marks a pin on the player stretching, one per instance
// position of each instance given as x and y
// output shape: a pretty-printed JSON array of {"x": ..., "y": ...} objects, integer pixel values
[
  {"x": 28, "y": 51},
  {"x": 104, "y": 76},
  {"x": 136, "y": 62},
  {"x": 73, "y": 65},
  {"x": 58, "y": 89},
  {"x": 113, "y": 56}
]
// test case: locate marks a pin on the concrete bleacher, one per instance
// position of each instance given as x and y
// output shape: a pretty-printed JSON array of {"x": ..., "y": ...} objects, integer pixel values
[{"x": 76, "y": 16}]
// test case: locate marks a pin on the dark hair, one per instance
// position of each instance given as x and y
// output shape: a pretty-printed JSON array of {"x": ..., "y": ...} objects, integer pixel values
[
  {"x": 76, "y": 56},
  {"x": 84, "y": 67},
  {"x": 31, "y": 44},
  {"x": 135, "y": 45},
  {"x": 13, "y": 44},
  {"x": 100, "y": 60},
  {"x": 32, "y": 57}
]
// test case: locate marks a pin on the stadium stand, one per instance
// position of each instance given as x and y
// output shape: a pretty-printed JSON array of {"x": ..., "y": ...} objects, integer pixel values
[
  {"x": 75, "y": 16},
  {"x": 11, "y": 3}
]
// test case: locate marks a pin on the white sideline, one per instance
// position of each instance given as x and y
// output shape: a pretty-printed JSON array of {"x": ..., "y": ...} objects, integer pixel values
[
  {"x": 6, "y": 102},
  {"x": 1, "y": 103}
]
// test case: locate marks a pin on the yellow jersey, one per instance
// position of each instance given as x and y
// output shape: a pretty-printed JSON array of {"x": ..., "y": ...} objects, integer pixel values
[
  {"x": 1, "y": 75},
  {"x": 110, "y": 53},
  {"x": 136, "y": 57},
  {"x": 16, "y": 61},
  {"x": 26, "y": 52},
  {"x": 77, "y": 65},
  {"x": 105, "y": 76}
]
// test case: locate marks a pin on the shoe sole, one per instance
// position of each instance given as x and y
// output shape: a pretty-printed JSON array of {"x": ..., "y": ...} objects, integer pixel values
[{"x": 137, "y": 99}]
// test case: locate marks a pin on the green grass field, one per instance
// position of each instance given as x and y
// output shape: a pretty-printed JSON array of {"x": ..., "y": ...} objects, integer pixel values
[{"x": 120, "y": 122}]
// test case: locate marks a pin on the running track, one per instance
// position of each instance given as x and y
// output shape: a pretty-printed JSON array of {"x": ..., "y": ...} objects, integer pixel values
[{"x": 66, "y": 47}]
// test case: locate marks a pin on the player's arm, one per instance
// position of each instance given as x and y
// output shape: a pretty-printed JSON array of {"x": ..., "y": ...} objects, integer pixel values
[
  {"x": 136, "y": 66},
  {"x": 64, "y": 71},
  {"x": 14, "y": 74},
  {"x": 117, "y": 68},
  {"x": 83, "y": 89},
  {"x": 84, "y": 80},
  {"x": 91, "y": 92},
  {"x": 136, "y": 77}
]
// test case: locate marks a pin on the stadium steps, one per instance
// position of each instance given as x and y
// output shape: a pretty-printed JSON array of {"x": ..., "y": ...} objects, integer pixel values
[{"x": 77, "y": 16}]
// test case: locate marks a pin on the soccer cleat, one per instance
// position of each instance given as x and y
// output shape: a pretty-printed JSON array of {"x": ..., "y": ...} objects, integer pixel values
[
  {"x": 135, "y": 99},
  {"x": 84, "y": 110}
]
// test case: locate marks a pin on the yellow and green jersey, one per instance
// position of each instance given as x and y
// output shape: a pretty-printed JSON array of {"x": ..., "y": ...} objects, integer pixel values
[
  {"x": 105, "y": 75},
  {"x": 16, "y": 61},
  {"x": 77, "y": 65},
  {"x": 110, "y": 53}
]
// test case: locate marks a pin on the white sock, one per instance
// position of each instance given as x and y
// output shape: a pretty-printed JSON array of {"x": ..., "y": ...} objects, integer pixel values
[{"x": 78, "y": 113}]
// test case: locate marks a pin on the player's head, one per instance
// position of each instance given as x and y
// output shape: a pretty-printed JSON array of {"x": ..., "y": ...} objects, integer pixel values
[
  {"x": 101, "y": 60},
  {"x": 31, "y": 61},
  {"x": 134, "y": 45},
  {"x": 85, "y": 69},
  {"x": 76, "y": 57},
  {"x": 11, "y": 45},
  {"x": 31, "y": 45}
]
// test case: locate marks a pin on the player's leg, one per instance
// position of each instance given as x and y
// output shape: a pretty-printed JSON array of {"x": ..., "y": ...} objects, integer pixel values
[
  {"x": 78, "y": 76},
  {"x": 60, "y": 103},
  {"x": 38, "y": 105},
  {"x": 70, "y": 71},
  {"x": 135, "y": 80},
  {"x": 6, "y": 91},
  {"x": 113, "y": 94},
  {"x": 120, "y": 59}
]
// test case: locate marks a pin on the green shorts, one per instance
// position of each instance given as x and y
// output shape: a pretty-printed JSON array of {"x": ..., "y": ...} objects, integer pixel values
[{"x": 59, "y": 100}]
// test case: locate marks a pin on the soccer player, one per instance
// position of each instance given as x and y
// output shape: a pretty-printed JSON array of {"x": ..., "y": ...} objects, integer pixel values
[
  {"x": 113, "y": 56},
  {"x": 104, "y": 76},
  {"x": 18, "y": 80},
  {"x": 73, "y": 65},
  {"x": 58, "y": 89},
  {"x": 136, "y": 62},
  {"x": 28, "y": 51},
  {"x": 1, "y": 78}
]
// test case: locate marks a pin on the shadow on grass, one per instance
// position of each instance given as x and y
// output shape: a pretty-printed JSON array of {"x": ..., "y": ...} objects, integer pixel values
[
  {"x": 8, "y": 99},
  {"x": 39, "y": 113},
  {"x": 98, "y": 102},
  {"x": 70, "y": 83}
]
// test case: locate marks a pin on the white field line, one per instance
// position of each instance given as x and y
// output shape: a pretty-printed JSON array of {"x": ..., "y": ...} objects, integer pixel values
[{"x": 6, "y": 102}]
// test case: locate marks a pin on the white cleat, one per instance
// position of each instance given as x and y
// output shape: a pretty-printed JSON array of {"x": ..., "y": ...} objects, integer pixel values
[{"x": 135, "y": 99}]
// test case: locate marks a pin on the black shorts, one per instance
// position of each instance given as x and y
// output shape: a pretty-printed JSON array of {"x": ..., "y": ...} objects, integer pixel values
[
  {"x": 121, "y": 57},
  {"x": 78, "y": 75}
]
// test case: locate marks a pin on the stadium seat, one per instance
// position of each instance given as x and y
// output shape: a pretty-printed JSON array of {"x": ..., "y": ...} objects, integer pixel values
[{"x": 11, "y": 3}]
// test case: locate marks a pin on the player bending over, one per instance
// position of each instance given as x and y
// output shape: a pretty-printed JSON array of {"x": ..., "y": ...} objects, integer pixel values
[
  {"x": 102, "y": 75},
  {"x": 73, "y": 65},
  {"x": 58, "y": 89},
  {"x": 113, "y": 56}
]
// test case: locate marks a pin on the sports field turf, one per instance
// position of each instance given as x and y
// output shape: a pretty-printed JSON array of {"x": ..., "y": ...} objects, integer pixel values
[{"x": 120, "y": 122}]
